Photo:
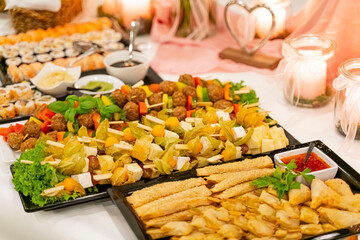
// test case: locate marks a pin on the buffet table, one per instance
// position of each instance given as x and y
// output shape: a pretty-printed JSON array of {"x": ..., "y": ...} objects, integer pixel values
[{"x": 102, "y": 220}]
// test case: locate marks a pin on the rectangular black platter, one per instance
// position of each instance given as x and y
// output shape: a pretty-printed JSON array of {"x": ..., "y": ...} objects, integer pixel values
[
  {"x": 119, "y": 194},
  {"x": 151, "y": 77}
]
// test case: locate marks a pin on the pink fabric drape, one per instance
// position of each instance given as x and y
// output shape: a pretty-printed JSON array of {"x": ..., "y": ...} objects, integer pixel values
[{"x": 337, "y": 19}]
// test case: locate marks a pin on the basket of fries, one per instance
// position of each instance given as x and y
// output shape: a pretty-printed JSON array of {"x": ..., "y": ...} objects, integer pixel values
[{"x": 25, "y": 19}]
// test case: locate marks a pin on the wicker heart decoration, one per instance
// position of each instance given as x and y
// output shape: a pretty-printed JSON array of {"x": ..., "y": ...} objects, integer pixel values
[{"x": 240, "y": 41}]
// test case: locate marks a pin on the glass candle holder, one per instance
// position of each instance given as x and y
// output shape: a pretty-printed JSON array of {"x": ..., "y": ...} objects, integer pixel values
[
  {"x": 282, "y": 11},
  {"x": 306, "y": 70},
  {"x": 347, "y": 99}
]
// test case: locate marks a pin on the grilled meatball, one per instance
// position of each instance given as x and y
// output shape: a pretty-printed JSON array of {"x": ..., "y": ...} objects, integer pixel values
[
  {"x": 14, "y": 140},
  {"x": 28, "y": 144},
  {"x": 58, "y": 122},
  {"x": 168, "y": 87},
  {"x": 188, "y": 79},
  {"x": 132, "y": 111},
  {"x": 154, "y": 99},
  {"x": 32, "y": 129},
  {"x": 215, "y": 92},
  {"x": 53, "y": 135},
  {"x": 189, "y": 91},
  {"x": 119, "y": 97},
  {"x": 136, "y": 95},
  {"x": 154, "y": 113},
  {"x": 179, "y": 113},
  {"x": 222, "y": 104},
  {"x": 179, "y": 99},
  {"x": 86, "y": 120}
]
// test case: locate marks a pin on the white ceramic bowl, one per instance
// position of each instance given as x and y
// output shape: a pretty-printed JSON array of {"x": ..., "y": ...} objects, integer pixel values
[
  {"x": 130, "y": 75},
  {"x": 117, "y": 83},
  {"x": 59, "y": 89},
  {"x": 323, "y": 175}
]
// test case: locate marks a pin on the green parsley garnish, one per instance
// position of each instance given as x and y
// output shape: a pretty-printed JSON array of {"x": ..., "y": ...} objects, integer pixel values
[{"x": 283, "y": 181}]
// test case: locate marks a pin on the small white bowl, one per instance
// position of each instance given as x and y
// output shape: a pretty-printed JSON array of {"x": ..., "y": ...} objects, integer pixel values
[
  {"x": 130, "y": 75},
  {"x": 59, "y": 89},
  {"x": 323, "y": 175},
  {"x": 117, "y": 83}
]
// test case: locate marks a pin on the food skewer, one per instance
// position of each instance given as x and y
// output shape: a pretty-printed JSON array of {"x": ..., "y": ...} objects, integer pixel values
[
  {"x": 156, "y": 105},
  {"x": 115, "y": 122},
  {"x": 155, "y": 119}
]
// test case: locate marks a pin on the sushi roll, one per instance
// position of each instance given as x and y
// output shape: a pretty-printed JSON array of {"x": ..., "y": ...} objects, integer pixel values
[
  {"x": 36, "y": 67},
  {"x": 71, "y": 52},
  {"x": 20, "y": 91},
  {"x": 58, "y": 45},
  {"x": 44, "y": 100},
  {"x": 37, "y": 94},
  {"x": 57, "y": 54},
  {"x": 44, "y": 57},
  {"x": 41, "y": 49},
  {"x": 62, "y": 62},
  {"x": 28, "y": 59},
  {"x": 24, "y": 107},
  {"x": 48, "y": 40},
  {"x": 10, "y": 53},
  {"x": 4, "y": 96},
  {"x": 13, "y": 61},
  {"x": 33, "y": 45},
  {"x": 7, "y": 111},
  {"x": 21, "y": 45},
  {"x": 14, "y": 74},
  {"x": 76, "y": 37},
  {"x": 26, "y": 71},
  {"x": 68, "y": 44},
  {"x": 26, "y": 52}
]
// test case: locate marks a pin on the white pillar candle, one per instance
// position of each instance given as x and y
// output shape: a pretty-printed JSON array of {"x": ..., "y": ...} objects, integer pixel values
[
  {"x": 133, "y": 9},
  {"x": 264, "y": 21},
  {"x": 310, "y": 78}
]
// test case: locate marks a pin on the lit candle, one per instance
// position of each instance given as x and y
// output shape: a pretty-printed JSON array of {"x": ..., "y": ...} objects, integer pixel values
[
  {"x": 109, "y": 6},
  {"x": 133, "y": 9},
  {"x": 264, "y": 20}
]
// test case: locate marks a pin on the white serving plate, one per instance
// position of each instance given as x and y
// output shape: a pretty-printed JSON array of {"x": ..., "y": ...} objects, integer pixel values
[
  {"x": 323, "y": 175},
  {"x": 7, "y": 155},
  {"x": 117, "y": 83}
]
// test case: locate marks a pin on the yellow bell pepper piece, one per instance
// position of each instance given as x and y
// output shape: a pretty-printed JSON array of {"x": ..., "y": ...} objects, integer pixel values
[
  {"x": 199, "y": 93},
  {"x": 106, "y": 100},
  {"x": 70, "y": 126},
  {"x": 37, "y": 121},
  {"x": 147, "y": 90},
  {"x": 165, "y": 100},
  {"x": 181, "y": 85},
  {"x": 117, "y": 116}
]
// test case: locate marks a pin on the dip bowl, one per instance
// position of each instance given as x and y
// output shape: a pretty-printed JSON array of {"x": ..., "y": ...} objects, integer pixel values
[
  {"x": 129, "y": 75},
  {"x": 323, "y": 175},
  {"x": 83, "y": 81},
  {"x": 59, "y": 88}
]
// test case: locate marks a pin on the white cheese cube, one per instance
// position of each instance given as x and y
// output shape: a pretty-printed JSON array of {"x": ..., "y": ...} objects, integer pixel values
[
  {"x": 186, "y": 126},
  {"x": 135, "y": 169},
  {"x": 239, "y": 132},
  {"x": 238, "y": 152},
  {"x": 171, "y": 134},
  {"x": 224, "y": 115},
  {"x": 84, "y": 179},
  {"x": 205, "y": 143},
  {"x": 255, "y": 140},
  {"x": 255, "y": 151},
  {"x": 90, "y": 151},
  {"x": 86, "y": 167},
  {"x": 215, "y": 159},
  {"x": 267, "y": 145},
  {"x": 278, "y": 144},
  {"x": 181, "y": 161},
  {"x": 155, "y": 151}
]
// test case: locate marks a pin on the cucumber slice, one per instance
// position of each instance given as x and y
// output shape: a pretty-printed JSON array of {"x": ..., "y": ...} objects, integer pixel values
[
  {"x": 170, "y": 102},
  {"x": 205, "y": 95}
]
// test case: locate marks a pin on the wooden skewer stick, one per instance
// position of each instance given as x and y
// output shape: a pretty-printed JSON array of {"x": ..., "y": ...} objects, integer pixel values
[
  {"x": 149, "y": 166},
  {"x": 55, "y": 144},
  {"x": 83, "y": 140},
  {"x": 116, "y": 132},
  {"x": 192, "y": 120},
  {"x": 26, "y": 161},
  {"x": 204, "y": 104},
  {"x": 181, "y": 147},
  {"x": 156, "y": 105},
  {"x": 252, "y": 105},
  {"x": 53, "y": 190},
  {"x": 216, "y": 135},
  {"x": 215, "y": 158},
  {"x": 53, "y": 163},
  {"x": 127, "y": 147},
  {"x": 116, "y": 122},
  {"x": 138, "y": 84},
  {"x": 144, "y": 127},
  {"x": 102, "y": 176},
  {"x": 95, "y": 139},
  {"x": 26, "y": 136},
  {"x": 155, "y": 119},
  {"x": 243, "y": 90}
]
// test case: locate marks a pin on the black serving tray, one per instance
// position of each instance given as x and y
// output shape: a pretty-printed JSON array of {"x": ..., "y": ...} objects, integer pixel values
[{"x": 119, "y": 194}]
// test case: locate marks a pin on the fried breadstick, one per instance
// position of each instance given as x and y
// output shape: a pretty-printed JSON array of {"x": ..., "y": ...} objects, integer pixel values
[{"x": 237, "y": 190}]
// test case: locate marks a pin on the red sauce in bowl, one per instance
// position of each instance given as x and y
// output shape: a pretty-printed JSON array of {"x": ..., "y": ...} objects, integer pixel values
[{"x": 315, "y": 163}]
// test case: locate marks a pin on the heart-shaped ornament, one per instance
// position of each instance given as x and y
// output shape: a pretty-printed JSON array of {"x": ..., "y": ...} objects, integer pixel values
[{"x": 240, "y": 41}]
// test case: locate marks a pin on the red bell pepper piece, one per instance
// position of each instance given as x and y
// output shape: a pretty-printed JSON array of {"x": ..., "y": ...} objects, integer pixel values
[
  {"x": 189, "y": 103},
  {"x": 190, "y": 113},
  {"x": 155, "y": 88},
  {"x": 45, "y": 115},
  {"x": 236, "y": 108},
  {"x": 60, "y": 136},
  {"x": 96, "y": 117},
  {"x": 143, "y": 108},
  {"x": 45, "y": 128},
  {"x": 197, "y": 81},
  {"x": 5, "y": 131},
  {"x": 76, "y": 104},
  {"x": 125, "y": 89},
  {"x": 18, "y": 128}
]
